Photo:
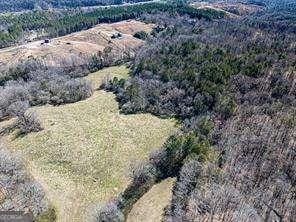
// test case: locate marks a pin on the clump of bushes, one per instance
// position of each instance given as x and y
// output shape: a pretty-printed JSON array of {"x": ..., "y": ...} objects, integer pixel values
[
  {"x": 141, "y": 35},
  {"x": 109, "y": 57},
  {"x": 27, "y": 123},
  {"x": 56, "y": 87},
  {"x": 17, "y": 108},
  {"x": 32, "y": 84},
  {"x": 38, "y": 86},
  {"x": 116, "y": 36},
  {"x": 19, "y": 192},
  {"x": 13, "y": 100},
  {"x": 225, "y": 106},
  {"x": 20, "y": 71},
  {"x": 109, "y": 212},
  {"x": 143, "y": 173}
]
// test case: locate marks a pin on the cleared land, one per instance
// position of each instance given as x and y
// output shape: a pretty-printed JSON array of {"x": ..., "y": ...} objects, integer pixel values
[
  {"x": 83, "y": 154},
  {"x": 150, "y": 207},
  {"x": 233, "y": 10},
  {"x": 76, "y": 48}
]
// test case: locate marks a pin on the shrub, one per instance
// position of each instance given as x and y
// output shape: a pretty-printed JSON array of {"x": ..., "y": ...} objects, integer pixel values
[
  {"x": 141, "y": 35},
  {"x": 28, "y": 122},
  {"x": 20, "y": 71},
  {"x": 18, "y": 108},
  {"x": 49, "y": 215},
  {"x": 41, "y": 86},
  {"x": 143, "y": 173},
  {"x": 280, "y": 86},
  {"x": 225, "y": 106},
  {"x": 202, "y": 125},
  {"x": 13, "y": 99},
  {"x": 20, "y": 191},
  {"x": 108, "y": 213},
  {"x": 68, "y": 91},
  {"x": 117, "y": 35}
]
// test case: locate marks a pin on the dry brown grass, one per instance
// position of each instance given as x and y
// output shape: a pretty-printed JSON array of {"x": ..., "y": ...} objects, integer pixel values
[
  {"x": 242, "y": 9},
  {"x": 83, "y": 153},
  {"x": 76, "y": 48}
]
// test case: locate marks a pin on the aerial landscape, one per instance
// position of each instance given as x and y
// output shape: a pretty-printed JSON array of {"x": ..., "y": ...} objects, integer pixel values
[{"x": 148, "y": 110}]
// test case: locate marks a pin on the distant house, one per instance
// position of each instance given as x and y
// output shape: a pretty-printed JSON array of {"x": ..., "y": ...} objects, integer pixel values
[{"x": 46, "y": 41}]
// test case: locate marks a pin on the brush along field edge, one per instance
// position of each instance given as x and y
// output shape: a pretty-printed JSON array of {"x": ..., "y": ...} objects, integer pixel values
[{"x": 84, "y": 152}]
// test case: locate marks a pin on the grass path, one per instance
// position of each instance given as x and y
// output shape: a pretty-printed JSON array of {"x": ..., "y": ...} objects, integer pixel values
[
  {"x": 150, "y": 207},
  {"x": 83, "y": 154}
]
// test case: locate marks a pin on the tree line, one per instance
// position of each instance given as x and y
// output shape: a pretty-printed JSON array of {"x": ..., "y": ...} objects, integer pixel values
[
  {"x": 56, "y": 24},
  {"x": 23, "y": 5}
]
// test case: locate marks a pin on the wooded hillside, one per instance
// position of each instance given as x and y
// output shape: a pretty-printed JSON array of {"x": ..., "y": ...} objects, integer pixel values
[
  {"x": 21, "y": 5},
  {"x": 54, "y": 24},
  {"x": 232, "y": 85}
]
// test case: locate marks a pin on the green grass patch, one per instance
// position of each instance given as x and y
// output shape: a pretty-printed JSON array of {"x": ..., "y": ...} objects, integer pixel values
[{"x": 83, "y": 154}]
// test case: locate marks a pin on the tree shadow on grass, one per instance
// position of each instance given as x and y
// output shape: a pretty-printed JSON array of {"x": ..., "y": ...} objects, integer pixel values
[
  {"x": 6, "y": 130},
  {"x": 13, "y": 127}
]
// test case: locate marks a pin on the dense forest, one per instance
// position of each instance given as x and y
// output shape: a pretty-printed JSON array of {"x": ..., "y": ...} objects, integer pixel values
[
  {"x": 232, "y": 85},
  {"x": 22, "y": 5},
  {"x": 55, "y": 24}
]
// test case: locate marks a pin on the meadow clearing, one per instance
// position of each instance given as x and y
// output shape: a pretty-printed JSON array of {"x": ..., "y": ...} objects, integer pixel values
[{"x": 86, "y": 148}]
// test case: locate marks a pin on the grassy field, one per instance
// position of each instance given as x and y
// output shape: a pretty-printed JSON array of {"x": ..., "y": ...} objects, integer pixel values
[
  {"x": 150, "y": 207},
  {"x": 78, "y": 47},
  {"x": 83, "y": 154}
]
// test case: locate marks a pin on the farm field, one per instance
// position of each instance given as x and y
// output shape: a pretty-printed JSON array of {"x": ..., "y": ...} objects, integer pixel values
[
  {"x": 85, "y": 150},
  {"x": 232, "y": 10},
  {"x": 78, "y": 47}
]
